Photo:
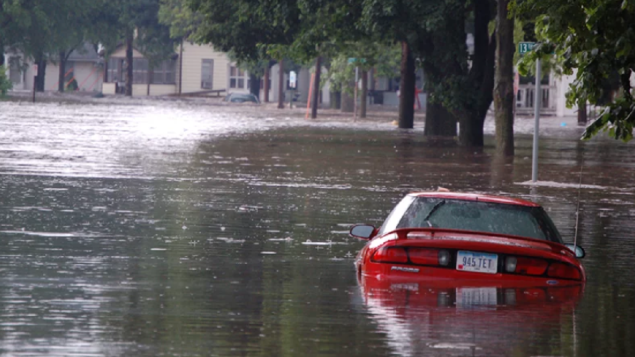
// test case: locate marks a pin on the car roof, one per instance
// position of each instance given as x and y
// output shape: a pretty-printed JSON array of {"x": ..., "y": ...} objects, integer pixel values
[{"x": 475, "y": 197}]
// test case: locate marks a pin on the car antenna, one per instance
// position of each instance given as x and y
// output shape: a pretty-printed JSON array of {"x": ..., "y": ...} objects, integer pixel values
[{"x": 577, "y": 214}]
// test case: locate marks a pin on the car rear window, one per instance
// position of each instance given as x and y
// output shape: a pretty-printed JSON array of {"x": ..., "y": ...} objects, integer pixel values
[{"x": 531, "y": 222}]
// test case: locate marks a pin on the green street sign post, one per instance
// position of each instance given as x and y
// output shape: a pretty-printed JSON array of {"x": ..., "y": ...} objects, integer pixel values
[{"x": 523, "y": 48}]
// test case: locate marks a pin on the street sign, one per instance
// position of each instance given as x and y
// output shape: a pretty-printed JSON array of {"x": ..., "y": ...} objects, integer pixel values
[
  {"x": 293, "y": 78},
  {"x": 525, "y": 47},
  {"x": 356, "y": 61}
]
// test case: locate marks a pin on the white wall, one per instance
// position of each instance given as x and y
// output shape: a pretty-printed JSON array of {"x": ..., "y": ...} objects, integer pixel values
[
  {"x": 562, "y": 86},
  {"x": 273, "y": 95},
  {"x": 193, "y": 56}
]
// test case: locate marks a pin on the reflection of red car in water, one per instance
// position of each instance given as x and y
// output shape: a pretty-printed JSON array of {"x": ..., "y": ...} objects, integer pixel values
[
  {"x": 444, "y": 235},
  {"x": 443, "y": 317}
]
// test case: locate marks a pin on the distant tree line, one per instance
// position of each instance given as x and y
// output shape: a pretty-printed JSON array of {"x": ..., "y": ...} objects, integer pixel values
[
  {"x": 389, "y": 37},
  {"x": 49, "y": 31}
]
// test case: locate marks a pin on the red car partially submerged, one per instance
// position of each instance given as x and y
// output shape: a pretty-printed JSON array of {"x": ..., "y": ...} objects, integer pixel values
[{"x": 446, "y": 235}]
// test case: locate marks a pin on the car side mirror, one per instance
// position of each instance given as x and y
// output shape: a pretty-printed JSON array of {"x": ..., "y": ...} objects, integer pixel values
[
  {"x": 362, "y": 231},
  {"x": 578, "y": 250}
]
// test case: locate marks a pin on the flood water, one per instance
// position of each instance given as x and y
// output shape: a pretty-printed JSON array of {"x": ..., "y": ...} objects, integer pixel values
[{"x": 170, "y": 229}]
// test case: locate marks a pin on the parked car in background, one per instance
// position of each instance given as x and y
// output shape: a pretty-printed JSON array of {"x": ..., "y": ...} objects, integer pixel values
[{"x": 241, "y": 98}]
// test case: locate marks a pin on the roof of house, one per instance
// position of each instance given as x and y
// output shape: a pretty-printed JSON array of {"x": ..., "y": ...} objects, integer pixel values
[{"x": 85, "y": 53}]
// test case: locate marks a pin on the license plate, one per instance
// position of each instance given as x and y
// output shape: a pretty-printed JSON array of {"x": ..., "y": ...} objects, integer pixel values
[{"x": 476, "y": 262}]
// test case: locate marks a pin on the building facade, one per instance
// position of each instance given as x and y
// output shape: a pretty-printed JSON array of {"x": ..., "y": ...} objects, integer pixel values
[{"x": 83, "y": 71}]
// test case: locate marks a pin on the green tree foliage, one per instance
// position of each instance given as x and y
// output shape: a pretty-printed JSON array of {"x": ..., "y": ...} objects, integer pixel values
[
  {"x": 153, "y": 39},
  {"x": 433, "y": 33},
  {"x": 36, "y": 28},
  {"x": 183, "y": 22},
  {"x": 243, "y": 27},
  {"x": 592, "y": 40},
  {"x": 50, "y": 30},
  {"x": 5, "y": 83}
]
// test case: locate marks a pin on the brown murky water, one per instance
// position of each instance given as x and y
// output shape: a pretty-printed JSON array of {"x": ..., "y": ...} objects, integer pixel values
[{"x": 169, "y": 230}]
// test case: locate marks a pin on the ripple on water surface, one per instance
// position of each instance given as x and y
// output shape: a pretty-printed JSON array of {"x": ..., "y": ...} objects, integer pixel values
[{"x": 169, "y": 229}]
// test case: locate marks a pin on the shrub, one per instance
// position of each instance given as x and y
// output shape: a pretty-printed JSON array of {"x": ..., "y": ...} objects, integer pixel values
[{"x": 5, "y": 83}]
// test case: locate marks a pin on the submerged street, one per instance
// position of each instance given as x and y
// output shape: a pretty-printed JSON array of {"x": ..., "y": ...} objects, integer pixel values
[{"x": 168, "y": 229}]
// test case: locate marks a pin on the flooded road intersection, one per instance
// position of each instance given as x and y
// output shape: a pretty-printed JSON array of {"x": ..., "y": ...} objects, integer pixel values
[{"x": 175, "y": 230}]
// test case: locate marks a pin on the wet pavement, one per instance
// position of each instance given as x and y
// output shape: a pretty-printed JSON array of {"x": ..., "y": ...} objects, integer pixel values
[{"x": 169, "y": 229}]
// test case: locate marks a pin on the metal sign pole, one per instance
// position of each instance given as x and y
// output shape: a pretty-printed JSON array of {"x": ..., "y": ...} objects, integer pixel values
[
  {"x": 355, "y": 93},
  {"x": 537, "y": 104}
]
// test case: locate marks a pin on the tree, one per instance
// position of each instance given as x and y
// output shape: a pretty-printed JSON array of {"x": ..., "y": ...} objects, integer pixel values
[
  {"x": 463, "y": 87},
  {"x": 32, "y": 26},
  {"x": 92, "y": 22},
  {"x": 5, "y": 83},
  {"x": 183, "y": 22},
  {"x": 154, "y": 39},
  {"x": 504, "y": 81},
  {"x": 404, "y": 23},
  {"x": 254, "y": 33},
  {"x": 591, "y": 40},
  {"x": 368, "y": 55}
]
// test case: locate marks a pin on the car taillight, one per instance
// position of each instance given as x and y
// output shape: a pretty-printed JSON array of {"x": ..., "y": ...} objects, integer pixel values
[
  {"x": 424, "y": 256},
  {"x": 565, "y": 271},
  {"x": 530, "y": 266},
  {"x": 391, "y": 255},
  {"x": 524, "y": 265}
]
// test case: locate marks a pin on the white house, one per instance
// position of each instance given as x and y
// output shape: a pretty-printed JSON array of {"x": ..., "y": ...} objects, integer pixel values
[
  {"x": 197, "y": 69},
  {"x": 83, "y": 67}
]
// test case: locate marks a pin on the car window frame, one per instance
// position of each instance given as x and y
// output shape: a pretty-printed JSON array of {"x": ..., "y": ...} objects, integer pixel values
[{"x": 545, "y": 224}]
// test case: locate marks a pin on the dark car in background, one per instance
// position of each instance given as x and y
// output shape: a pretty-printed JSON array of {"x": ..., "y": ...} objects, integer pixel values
[{"x": 241, "y": 98}]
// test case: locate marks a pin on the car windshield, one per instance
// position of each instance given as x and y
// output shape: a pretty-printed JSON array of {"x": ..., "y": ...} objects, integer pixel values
[{"x": 517, "y": 220}]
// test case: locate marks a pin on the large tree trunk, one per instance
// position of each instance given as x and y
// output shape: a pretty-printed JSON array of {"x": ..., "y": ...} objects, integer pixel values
[
  {"x": 407, "y": 88},
  {"x": 582, "y": 112},
  {"x": 481, "y": 77},
  {"x": 439, "y": 120},
  {"x": 266, "y": 84},
  {"x": 254, "y": 85},
  {"x": 280, "y": 84},
  {"x": 315, "y": 101},
  {"x": 62, "y": 72},
  {"x": 129, "y": 79},
  {"x": 504, "y": 81},
  {"x": 364, "y": 95}
]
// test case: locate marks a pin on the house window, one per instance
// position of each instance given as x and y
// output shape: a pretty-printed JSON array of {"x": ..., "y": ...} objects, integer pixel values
[
  {"x": 236, "y": 78},
  {"x": 207, "y": 73},
  {"x": 114, "y": 70},
  {"x": 164, "y": 73},
  {"x": 139, "y": 71}
]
